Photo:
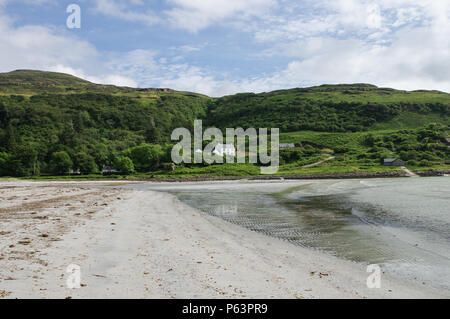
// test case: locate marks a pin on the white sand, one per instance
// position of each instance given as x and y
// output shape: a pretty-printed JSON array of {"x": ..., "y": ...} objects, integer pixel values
[{"x": 150, "y": 245}]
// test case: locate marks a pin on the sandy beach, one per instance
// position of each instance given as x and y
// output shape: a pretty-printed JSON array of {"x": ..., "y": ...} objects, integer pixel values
[{"x": 146, "y": 244}]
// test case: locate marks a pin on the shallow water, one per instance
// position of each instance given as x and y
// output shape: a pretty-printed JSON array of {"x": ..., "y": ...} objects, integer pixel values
[{"x": 401, "y": 224}]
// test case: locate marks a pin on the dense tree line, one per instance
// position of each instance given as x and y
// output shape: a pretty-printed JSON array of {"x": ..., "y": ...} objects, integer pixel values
[
  {"x": 57, "y": 133},
  {"x": 299, "y": 113}
]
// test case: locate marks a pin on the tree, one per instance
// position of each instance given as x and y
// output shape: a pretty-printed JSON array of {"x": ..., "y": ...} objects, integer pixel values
[
  {"x": 25, "y": 160},
  {"x": 5, "y": 162},
  {"x": 11, "y": 137},
  {"x": 341, "y": 149},
  {"x": 124, "y": 165},
  {"x": 85, "y": 163},
  {"x": 61, "y": 163},
  {"x": 152, "y": 134},
  {"x": 291, "y": 155},
  {"x": 369, "y": 140},
  {"x": 145, "y": 157},
  {"x": 101, "y": 154}
]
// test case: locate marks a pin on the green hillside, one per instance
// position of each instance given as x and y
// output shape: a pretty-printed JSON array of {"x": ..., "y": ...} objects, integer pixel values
[
  {"x": 51, "y": 123},
  {"x": 332, "y": 108},
  {"x": 30, "y": 82},
  {"x": 43, "y": 113}
]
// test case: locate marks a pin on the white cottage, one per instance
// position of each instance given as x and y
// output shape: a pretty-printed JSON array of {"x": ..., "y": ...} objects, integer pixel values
[{"x": 225, "y": 149}]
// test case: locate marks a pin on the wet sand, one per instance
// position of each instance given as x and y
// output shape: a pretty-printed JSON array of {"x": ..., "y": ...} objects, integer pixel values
[{"x": 145, "y": 244}]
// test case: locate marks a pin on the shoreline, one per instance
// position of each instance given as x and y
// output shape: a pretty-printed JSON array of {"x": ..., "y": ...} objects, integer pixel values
[
  {"x": 146, "y": 244},
  {"x": 356, "y": 175}
]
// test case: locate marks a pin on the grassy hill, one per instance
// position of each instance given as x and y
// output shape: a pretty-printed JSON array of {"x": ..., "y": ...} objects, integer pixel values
[
  {"x": 50, "y": 122},
  {"x": 42, "y": 113},
  {"x": 31, "y": 82},
  {"x": 332, "y": 108}
]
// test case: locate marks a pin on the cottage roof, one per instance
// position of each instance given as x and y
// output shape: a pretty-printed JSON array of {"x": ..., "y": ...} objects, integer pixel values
[
  {"x": 226, "y": 146},
  {"x": 287, "y": 145}
]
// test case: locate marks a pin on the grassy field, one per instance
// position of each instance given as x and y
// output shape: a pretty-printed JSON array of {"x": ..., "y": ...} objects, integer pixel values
[{"x": 410, "y": 120}]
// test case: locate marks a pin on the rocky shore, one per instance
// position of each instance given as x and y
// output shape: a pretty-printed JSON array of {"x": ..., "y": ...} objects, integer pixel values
[{"x": 433, "y": 173}]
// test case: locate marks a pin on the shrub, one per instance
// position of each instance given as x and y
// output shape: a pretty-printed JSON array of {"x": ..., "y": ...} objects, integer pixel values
[
  {"x": 124, "y": 165},
  {"x": 145, "y": 157},
  {"x": 5, "y": 163},
  {"x": 85, "y": 163},
  {"x": 60, "y": 163}
]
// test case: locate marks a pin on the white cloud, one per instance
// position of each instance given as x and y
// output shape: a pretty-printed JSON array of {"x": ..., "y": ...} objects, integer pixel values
[
  {"x": 42, "y": 48},
  {"x": 399, "y": 43},
  {"x": 194, "y": 15},
  {"x": 417, "y": 58},
  {"x": 190, "y": 15},
  {"x": 113, "y": 79},
  {"x": 119, "y": 9},
  {"x": 37, "y": 46},
  {"x": 345, "y": 18},
  {"x": 147, "y": 67},
  {"x": 402, "y": 44}
]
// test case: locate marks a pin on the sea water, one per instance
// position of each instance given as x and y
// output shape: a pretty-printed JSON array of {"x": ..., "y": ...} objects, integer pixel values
[{"x": 402, "y": 224}]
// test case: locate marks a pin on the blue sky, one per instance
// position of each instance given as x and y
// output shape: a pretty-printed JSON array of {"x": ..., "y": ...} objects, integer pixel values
[{"x": 220, "y": 47}]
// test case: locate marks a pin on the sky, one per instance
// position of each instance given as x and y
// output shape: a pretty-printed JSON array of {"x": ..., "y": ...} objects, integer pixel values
[{"x": 221, "y": 47}]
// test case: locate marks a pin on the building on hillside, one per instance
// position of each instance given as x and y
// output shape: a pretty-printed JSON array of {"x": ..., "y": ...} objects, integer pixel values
[
  {"x": 447, "y": 140},
  {"x": 225, "y": 149},
  {"x": 109, "y": 170},
  {"x": 288, "y": 145},
  {"x": 393, "y": 162}
]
